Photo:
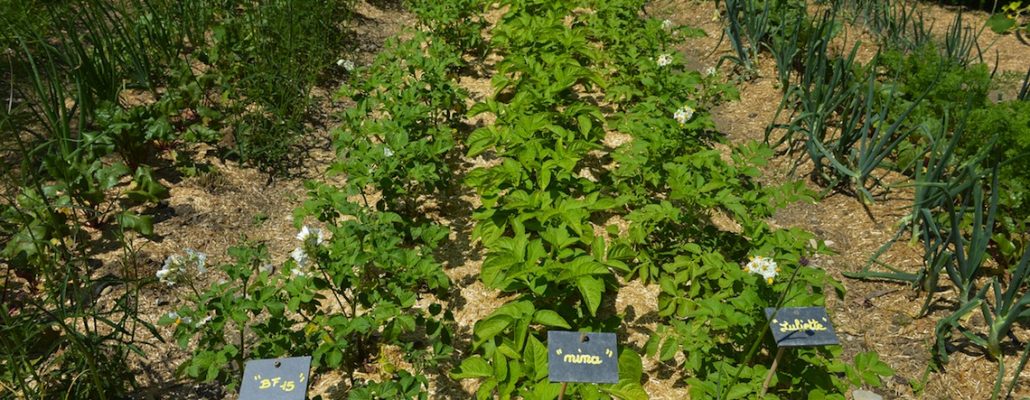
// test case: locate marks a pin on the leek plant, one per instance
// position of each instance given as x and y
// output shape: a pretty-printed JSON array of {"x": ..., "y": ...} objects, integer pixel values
[
  {"x": 748, "y": 27},
  {"x": 844, "y": 126},
  {"x": 936, "y": 180},
  {"x": 824, "y": 86},
  {"x": 1008, "y": 305},
  {"x": 896, "y": 24},
  {"x": 785, "y": 49},
  {"x": 867, "y": 137},
  {"x": 948, "y": 250},
  {"x": 961, "y": 41}
]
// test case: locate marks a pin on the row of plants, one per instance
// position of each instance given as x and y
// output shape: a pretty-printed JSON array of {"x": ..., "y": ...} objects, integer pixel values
[
  {"x": 66, "y": 178},
  {"x": 98, "y": 97},
  {"x": 552, "y": 202},
  {"x": 919, "y": 107},
  {"x": 371, "y": 287},
  {"x": 969, "y": 211}
]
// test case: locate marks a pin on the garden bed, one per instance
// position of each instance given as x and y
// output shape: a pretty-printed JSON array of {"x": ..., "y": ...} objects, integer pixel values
[{"x": 660, "y": 195}]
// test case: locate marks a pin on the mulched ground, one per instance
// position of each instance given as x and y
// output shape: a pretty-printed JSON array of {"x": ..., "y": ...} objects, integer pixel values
[{"x": 214, "y": 210}]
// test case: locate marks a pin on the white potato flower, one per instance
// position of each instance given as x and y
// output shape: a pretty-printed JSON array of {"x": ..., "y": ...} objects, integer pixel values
[
  {"x": 764, "y": 266},
  {"x": 664, "y": 60},
  {"x": 684, "y": 114},
  {"x": 666, "y": 24},
  {"x": 387, "y": 152},
  {"x": 163, "y": 273},
  {"x": 176, "y": 266},
  {"x": 170, "y": 270},
  {"x": 177, "y": 319},
  {"x": 300, "y": 256},
  {"x": 307, "y": 231},
  {"x": 198, "y": 259}
]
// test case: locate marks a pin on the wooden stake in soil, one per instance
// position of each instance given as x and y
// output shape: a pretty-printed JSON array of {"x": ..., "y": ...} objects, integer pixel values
[
  {"x": 797, "y": 327},
  {"x": 772, "y": 370}
]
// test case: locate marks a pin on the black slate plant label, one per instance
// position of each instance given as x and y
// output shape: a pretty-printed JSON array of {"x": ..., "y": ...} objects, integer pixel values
[
  {"x": 801, "y": 327},
  {"x": 276, "y": 379},
  {"x": 582, "y": 357}
]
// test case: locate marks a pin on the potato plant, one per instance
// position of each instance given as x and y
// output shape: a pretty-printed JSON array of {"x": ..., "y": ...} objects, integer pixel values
[
  {"x": 348, "y": 292},
  {"x": 551, "y": 189}
]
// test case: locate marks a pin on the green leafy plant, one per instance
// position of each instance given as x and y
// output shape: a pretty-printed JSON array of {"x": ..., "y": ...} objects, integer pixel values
[
  {"x": 541, "y": 198},
  {"x": 271, "y": 96},
  {"x": 457, "y": 23},
  {"x": 370, "y": 285},
  {"x": 404, "y": 153},
  {"x": 338, "y": 301},
  {"x": 1011, "y": 18}
]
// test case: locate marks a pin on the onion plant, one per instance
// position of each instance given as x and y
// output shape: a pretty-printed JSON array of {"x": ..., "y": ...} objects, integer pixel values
[
  {"x": 961, "y": 41},
  {"x": 824, "y": 86},
  {"x": 1007, "y": 306},
  {"x": 58, "y": 338},
  {"x": 936, "y": 180},
  {"x": 897, "y": 24},
  {"x": 785, "y": 48},
  {"x": 844, "y": 126},
  {"x": 748, "y": 27}
]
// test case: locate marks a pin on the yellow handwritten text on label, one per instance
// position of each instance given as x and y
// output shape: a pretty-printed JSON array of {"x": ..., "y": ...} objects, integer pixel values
[
  {"x": 286, "y": 386},
  {"x": 582, "y": 359},
  {"x": 798, "y": 325}
]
